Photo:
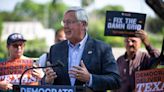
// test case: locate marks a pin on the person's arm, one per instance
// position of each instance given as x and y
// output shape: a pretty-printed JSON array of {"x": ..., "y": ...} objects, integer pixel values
[
  {"x": 144, "y": 38},
  {"x": 153, "y": 54}
]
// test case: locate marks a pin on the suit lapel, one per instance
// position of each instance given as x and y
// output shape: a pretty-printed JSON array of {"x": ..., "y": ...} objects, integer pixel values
[
  {"x": 86, "y": 56},
  {"x": 88, "y": 51},
  {"x": 65, "y": 60}
]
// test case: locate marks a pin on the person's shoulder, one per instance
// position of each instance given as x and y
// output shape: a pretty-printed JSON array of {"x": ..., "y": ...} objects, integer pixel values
[
  {"x": 43, "y": 55},
  {"x": 100, "y": 43},
  {"x": 62, "y": 43},
  {"x": 42, "y": 59},
  {"x": 95, "y": 41},
  {"x": 121, "y": 57},
  {"x": 59, "y": 46},
  {"x": 26, "y": 58}
]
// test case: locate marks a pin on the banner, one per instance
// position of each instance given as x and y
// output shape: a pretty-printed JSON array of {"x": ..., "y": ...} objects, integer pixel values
[
  {"x": 149, "y": 80},
  {"x": 123, "y": 23},
  {"x": 44, "y": 88},
  {"x": 11, "y": 71}
]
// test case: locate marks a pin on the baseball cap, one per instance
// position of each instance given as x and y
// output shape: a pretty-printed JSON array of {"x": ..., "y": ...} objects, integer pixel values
[{"x": 14, "y": 38}]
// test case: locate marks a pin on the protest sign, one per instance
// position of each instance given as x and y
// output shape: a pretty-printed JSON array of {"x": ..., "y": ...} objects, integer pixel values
[
  {"x": 149, "y": 80},
  {"x": 123, "y": 23},
  {"x": 11, "y": 71}
]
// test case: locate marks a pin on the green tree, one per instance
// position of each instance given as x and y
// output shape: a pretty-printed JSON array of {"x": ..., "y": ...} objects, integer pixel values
[
  {"x": 3, "y": 50},
  {"x": 86, "y": 3},
  {"x": 56, "y": 12},
  {"x": 1, "y": 28},
  {"x": 155, "y": 25},
  {"x": 50, "y": 14},
  {"x": 29, "y": 11},
  {"x": 37, "y": 48}
]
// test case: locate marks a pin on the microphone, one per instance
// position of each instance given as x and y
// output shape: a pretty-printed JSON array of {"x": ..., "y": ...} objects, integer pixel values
[{"x": 57, "y": 64}]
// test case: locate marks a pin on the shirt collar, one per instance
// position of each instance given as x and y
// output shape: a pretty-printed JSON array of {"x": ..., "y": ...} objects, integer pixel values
[
  {"x": 81, "y": 43},
  {"x": 134, "y": 58}
]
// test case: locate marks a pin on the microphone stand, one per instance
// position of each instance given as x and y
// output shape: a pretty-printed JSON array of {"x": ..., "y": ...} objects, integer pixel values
[{"x": 57, "y": 64}]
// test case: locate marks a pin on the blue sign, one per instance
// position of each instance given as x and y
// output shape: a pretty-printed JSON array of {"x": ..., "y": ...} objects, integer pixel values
[{"x": 44, "y": 88}]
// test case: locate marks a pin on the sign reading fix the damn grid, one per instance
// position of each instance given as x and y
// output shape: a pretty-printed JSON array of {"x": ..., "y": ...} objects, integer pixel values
[{"x": 123, "y": 23}]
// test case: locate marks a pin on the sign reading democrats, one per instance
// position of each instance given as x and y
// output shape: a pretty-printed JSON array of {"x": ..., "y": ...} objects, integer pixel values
[{"x": 149, "y": 80}]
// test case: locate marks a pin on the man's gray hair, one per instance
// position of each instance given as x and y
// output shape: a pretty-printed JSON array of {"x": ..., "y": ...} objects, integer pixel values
[{"x": 80, "y": 13}]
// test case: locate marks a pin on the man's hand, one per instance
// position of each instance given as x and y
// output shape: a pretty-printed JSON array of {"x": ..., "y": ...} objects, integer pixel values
[
  {"x": 143, "y": 36},
  {"x": 37, "y": 72},
  {"x": 80, "y": 72},
  {"x": 50, "y": 75},
  {"x": 4, "y": 85}
]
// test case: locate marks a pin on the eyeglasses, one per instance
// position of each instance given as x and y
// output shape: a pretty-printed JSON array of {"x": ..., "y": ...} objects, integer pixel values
[
  {"x": 17, "y": 45},
  {"x": 68, "y": 22}
]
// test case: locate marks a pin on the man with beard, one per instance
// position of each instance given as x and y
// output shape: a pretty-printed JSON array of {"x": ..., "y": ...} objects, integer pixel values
[{"x": 134, "y": 60}]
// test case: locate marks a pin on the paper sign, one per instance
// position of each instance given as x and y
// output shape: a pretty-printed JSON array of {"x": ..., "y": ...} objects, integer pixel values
[
  {"x": 149, "y": 80},
  {"x": 123, "y": 23},
  {"x": 11, "y": 71}
]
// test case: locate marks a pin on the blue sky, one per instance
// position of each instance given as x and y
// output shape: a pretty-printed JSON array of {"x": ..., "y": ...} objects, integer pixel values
[{"x": 129, "y": 5}]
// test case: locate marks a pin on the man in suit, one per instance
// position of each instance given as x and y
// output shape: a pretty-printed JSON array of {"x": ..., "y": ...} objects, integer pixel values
[{"x": 86, "y": 61}]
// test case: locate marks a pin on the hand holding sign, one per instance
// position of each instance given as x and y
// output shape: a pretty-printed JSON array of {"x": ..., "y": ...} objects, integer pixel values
[{"x": 143, "y": 36}]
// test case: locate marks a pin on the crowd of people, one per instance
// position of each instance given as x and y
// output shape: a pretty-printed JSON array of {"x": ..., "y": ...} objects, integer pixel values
[{"x": 87, "y": 61}]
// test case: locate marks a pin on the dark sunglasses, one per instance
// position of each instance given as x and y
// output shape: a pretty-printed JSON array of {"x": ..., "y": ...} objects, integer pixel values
[{"x": 17, "y": 45}]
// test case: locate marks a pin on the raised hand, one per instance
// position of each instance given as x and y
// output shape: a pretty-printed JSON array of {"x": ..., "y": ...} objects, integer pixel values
[
  {"x": 80, "y": 72},
  {"x": 143, "y": 36}
]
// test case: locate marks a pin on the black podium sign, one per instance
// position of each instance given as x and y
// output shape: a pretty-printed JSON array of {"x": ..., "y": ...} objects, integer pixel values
[{"x": 123, "y": 23}]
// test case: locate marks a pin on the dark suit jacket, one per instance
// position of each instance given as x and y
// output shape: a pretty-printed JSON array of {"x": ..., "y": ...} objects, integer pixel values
[{"x": 98, "y": 59}]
